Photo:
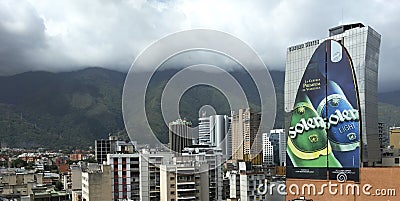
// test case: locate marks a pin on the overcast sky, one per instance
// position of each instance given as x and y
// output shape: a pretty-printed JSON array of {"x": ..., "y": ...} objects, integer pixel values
[{"x": 71, "y": 34}]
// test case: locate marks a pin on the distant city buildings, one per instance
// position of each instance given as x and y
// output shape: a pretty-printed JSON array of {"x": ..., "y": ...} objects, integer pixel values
[{"x": 30, "y": 185}]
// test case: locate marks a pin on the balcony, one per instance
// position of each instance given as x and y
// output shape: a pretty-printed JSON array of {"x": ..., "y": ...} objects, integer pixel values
[{"x": 187, "y": 198}]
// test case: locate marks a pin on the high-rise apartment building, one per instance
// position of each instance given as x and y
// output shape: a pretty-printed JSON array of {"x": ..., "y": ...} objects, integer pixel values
[
  {"x": 246, "y": 137},
  {"x": 215, "y": 131},
  {"x": 137, "y": 176},
  {"x": 278, "y": 141},
  {"x": 179, "y": 135},
  {"x": 362, "y": 43},
  {"x": 268, "y": 150},
  {"x": 125, "y": 176},
  {"x": 182, "y": 182},
  {"x": 212, "y": 156},
  {"x": 150, "y": 174}
]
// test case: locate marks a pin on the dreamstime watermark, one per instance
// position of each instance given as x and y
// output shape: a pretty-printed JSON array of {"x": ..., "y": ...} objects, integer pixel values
[
  {"x": 340, "y": 187},
  {"x": 147, "y": 64}
]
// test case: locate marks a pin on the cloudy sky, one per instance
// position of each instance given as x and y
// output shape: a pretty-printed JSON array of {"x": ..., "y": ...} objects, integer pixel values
[{"x": 70, "y": 34}]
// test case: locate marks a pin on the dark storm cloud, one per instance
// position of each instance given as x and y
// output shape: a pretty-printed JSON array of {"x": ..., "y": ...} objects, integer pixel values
[
  {"x": 21, "y": 33},
  {"x": 63, "y": 35}
]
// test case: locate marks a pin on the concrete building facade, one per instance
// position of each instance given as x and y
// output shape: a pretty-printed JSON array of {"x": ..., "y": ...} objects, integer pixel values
[
  {"x": 211, "y": 156},
  {"x": 181, "y": 182},
  {"x": 249, "y": 181},
  {"x": 125, "y": 176},
  {"x": 150, "y": 182},
  {"x": 97, "y": 183}
]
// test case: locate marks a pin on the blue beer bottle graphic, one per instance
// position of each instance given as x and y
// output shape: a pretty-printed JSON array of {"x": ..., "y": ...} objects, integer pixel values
[{"x": 342, "y": 125}]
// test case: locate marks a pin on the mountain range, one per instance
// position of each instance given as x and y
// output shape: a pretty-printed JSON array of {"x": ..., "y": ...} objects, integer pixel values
[{"x": 69, "y": 110}]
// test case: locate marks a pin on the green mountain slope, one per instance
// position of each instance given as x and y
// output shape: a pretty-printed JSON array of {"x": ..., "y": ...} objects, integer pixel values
[
  {"x": 389, "y": 114},
  {"x": 72, "y": 109},
  {"x": 69, "y": 109}
]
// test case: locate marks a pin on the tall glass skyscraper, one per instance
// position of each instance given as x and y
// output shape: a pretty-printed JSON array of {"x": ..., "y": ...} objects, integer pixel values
[{"x": 362, "y": 43}]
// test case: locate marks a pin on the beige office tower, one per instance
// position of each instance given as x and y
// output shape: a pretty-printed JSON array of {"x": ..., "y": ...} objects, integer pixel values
[
  {"x": 246, "y": 137},
  {"x": 395, "y": 137},
  {"x": 362, "y": 43}
]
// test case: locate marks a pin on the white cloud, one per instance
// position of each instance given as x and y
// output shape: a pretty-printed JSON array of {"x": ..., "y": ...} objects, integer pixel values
[{"x": 65, "y": 34}]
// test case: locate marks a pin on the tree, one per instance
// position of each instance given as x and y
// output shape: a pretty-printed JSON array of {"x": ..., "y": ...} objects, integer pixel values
[
  {"x": 59, "y": 186},
  {"x": 18, "y": 163}
]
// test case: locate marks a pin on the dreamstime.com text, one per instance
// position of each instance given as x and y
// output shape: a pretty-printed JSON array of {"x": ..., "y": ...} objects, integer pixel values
[{"x": 329, "y": 187}]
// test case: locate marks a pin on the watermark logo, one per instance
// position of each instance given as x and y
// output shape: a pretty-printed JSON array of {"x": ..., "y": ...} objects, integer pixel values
[
  {"x": 148, "y": 63},
  {"x": 341, "y": 188},
  {"x": 341, "y": 177}
]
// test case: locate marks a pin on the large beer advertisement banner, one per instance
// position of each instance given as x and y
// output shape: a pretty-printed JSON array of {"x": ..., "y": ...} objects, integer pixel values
[{"x": 324, "y": 135}]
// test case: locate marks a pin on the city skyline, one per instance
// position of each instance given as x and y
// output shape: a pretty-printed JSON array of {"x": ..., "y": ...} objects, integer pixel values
[{"x": 167, "y": 100}]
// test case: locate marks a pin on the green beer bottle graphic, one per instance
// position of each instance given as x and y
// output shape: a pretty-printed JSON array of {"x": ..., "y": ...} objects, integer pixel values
[{"x": 307, "y": 141}]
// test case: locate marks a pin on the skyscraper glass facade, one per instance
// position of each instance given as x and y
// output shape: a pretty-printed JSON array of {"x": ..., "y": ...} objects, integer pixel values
[{"x": 362, "y": 43}]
